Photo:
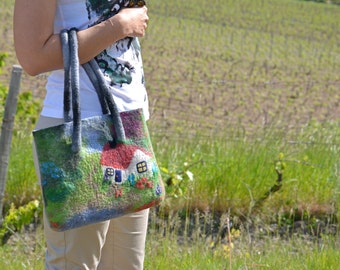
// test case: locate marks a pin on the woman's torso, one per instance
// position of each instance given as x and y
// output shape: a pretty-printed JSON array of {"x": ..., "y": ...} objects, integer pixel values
[{"x": 121, "y": 63}]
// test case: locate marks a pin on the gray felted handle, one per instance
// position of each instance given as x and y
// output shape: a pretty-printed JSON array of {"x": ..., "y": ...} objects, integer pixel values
[
  {"x": 71, "y": 84},
  {"x": 71, "y": 90},
  {"x": 98, "y": 80}
]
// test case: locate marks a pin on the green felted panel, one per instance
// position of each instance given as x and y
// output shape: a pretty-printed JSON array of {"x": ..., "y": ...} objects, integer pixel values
[{"x": 102, "y": 181}]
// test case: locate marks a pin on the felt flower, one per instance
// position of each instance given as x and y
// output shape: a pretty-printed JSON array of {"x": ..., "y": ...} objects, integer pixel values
[
  {"x": 149, "y": 184},
  {"x": 131, "y": 179},
  {"x": 54, "y": 224},
  {"x": 159, "y": 190},
  {"x": 140, "y": 184},
  {"x": 118, "y": 193}
]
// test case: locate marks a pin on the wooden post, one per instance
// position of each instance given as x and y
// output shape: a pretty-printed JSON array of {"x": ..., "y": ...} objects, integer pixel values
[{"x": 7, "y": 129}]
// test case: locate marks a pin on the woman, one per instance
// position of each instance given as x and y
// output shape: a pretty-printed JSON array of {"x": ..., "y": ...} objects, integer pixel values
[{"x": 108, "y": 32}]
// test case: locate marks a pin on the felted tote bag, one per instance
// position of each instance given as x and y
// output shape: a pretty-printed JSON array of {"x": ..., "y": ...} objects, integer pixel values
[{"x": 97, "y": 168}]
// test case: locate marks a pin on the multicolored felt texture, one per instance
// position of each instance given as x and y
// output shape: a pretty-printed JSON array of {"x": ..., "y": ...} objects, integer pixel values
[{"x": 106, "y": 179}]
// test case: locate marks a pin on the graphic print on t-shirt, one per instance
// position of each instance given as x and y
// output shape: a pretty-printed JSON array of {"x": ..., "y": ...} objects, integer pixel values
[{"x": 111, "y": 61}]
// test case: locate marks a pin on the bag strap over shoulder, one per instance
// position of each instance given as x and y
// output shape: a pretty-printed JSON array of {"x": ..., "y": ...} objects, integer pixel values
[{"x": 72, "y": 90}]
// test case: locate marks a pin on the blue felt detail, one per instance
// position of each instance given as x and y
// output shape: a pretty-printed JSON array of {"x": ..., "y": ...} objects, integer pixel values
[{"x": 118, "y": 176}]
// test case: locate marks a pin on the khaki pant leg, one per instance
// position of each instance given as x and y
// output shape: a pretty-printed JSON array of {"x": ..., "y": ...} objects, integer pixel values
[
  {"x": 124, "y": 247},
  {"x": 76, "y": 249}
]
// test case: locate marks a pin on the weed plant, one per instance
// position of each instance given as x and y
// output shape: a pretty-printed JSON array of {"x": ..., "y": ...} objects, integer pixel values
[
  {"x": 24, "y": 251},
  {"x": 22, "y": 183}
]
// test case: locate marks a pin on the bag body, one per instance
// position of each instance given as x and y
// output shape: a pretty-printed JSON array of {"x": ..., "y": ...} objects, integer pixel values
[
  {"x": 100, "y": 182},
  {"x": 97, "y": 168}
]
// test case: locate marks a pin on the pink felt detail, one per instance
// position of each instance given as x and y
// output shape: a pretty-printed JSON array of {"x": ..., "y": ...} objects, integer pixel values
[{"x": 118, "y": 193}]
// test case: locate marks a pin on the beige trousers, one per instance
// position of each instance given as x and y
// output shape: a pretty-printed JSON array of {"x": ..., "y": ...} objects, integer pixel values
[{"x": 117, "y": 244}]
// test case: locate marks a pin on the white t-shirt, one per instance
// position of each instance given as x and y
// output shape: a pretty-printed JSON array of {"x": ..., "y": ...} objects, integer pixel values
[{"x": 121, "y": 63}]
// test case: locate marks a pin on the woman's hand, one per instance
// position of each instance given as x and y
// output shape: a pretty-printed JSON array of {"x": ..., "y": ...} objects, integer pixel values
[{"x": 132, "y": 21}]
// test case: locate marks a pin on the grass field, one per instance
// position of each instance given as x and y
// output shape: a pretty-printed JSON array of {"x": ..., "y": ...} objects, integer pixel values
[
  {"x": 240, "y": 92},
  {"x": 244, "y": 64}
]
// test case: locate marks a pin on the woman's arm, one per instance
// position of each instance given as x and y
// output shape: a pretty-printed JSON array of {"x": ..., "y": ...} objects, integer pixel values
[{"x": 38, "y": 49}]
